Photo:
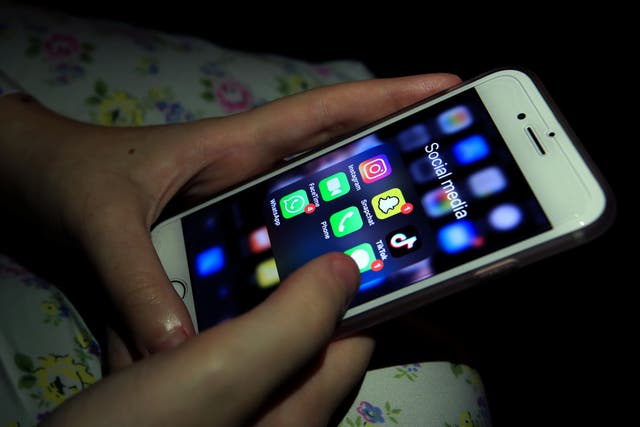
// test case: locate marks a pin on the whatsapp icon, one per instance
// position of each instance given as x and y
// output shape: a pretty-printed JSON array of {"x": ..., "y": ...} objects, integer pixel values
[{"x": 293, "y": 203}]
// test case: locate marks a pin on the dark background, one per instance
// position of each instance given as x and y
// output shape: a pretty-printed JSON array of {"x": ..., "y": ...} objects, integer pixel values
[{"x": 551, "y": 340}]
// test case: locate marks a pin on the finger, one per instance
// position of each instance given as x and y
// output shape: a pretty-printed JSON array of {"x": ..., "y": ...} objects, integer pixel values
[
  {"x": 126, "y": 260},
  {"x": 300, "y": 122},
  {"x": 253, "y": 141},
  {"x": 323, "y": 389},
  {"x": 118, "y": 354},
  {"x": 284, "y": 333}
]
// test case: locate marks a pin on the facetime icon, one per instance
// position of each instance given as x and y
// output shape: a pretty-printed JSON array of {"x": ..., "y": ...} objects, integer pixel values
[{"x": 334, "y": 186}]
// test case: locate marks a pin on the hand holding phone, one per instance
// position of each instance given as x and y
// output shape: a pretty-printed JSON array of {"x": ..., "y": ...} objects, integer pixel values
[{"x": 475, "y": 180}]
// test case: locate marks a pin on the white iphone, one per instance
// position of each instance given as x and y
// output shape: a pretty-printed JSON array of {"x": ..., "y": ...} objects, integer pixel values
[{"x": 483, "y": 177}]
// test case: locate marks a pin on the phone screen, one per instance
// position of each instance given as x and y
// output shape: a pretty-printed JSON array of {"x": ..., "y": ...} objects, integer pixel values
[{"x": 427, "y": 193}]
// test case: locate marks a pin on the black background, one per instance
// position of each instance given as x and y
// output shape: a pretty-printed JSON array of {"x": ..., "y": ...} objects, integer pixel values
[{"x": 551, "y": 340}]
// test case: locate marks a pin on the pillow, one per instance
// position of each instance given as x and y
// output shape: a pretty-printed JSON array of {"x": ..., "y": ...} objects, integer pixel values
[{"x": 115, "y": 74}]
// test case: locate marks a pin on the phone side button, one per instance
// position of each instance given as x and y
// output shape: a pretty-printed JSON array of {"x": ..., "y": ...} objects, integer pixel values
[
  {"x": 180, "y": 287},
  {"x": 499, "y": 267}
]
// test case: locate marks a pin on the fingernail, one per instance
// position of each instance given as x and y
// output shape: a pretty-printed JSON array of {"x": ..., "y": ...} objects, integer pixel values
[{"x": 174, "y": 338}]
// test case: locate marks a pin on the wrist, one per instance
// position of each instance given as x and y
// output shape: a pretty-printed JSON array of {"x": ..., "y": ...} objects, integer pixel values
[{"x": 32, "y": 141}]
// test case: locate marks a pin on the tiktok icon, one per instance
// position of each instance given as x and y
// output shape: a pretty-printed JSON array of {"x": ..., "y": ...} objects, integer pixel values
[{"x": 403, "y": 241}]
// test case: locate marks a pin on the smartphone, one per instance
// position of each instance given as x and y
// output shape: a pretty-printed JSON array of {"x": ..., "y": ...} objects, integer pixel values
[{"x": 481, "y": 178}]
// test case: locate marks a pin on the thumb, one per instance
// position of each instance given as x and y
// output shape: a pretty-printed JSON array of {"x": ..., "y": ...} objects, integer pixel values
[
  {"x": 280, "y": 337},
  {"x": 154, "y": 316}
]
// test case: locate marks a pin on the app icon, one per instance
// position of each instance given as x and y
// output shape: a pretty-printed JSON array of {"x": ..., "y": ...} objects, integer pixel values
[
  {"x": 436, "y": 203},
  {"x": 403, "y": 241},
  {"x": 471, "y": 149},
  {"x": 505, "y": 217},
  {"x": 334, "y": 186},
  {"x": 422, "y": 170},
  {"x": 455, "y": 119},
  {"x": 375, "y": 168},
  {"x": 267, "y": 273},
  {"x": 363, "y": 255},
  {"x": 294, "y": 203},
  {"x": 259, "y": 240},
  {"x": 388, "y": 203},
  {"x": 210, "y": 261},
  {"x": 346, "y": 221},
  {"x": 459, "y": 236},
  {"x": 413, "y": 138},
  {"x": 487, "y": 181}
]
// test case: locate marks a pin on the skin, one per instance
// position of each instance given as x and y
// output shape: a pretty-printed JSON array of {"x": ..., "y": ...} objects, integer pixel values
[{"x": 102, "y": 188}]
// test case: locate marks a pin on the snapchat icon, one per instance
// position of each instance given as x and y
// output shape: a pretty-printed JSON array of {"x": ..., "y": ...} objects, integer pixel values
[{"x": 388, "y": 203}]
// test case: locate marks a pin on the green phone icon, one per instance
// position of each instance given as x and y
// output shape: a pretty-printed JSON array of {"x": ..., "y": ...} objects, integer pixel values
[
  {"x": 346, "y": 221},
  {"x": 334, "y": 186}
]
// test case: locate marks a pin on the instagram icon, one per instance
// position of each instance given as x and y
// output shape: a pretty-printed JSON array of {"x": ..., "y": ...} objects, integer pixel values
[{"x": 374, "y": 168}]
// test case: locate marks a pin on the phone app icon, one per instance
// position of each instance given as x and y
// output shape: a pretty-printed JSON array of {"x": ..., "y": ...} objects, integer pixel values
[
  {"x": 375, "y": 168},
  {"x": 294, "y": 203},
  {"x": 436, "y": 203},
  {"x": 487, "y": 181},
  {"x": 505, "y": 217},
  {"x": 455, "y": 119},
  {"x": 471, "y": 149},
  {"x": 267, "y": 273},
  {"x": 364, "y": 256},
  {"x": 413, "y": 138},
  {"x": 388, "y": 203},
  {"x": 259, "y": 240},
  {"x": 459, "y": 236},
  {"x": 210, "y": 261},
  {"x": 346, "y": 221},
  {"x": 403, "y": 241},
  {"x": 334, "y": 186},
  {"x": 421, "y": 170}
]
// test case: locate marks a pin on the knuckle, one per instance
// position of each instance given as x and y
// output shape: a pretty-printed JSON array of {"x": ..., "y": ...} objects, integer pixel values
[{"x": 141, "y": 291}]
